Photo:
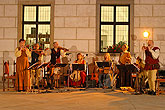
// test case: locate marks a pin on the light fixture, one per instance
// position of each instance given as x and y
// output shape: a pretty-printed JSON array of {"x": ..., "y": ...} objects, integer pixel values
[{"x": 146, "y": 34}]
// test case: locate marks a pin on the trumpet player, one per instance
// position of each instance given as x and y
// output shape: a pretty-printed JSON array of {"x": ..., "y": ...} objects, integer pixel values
[
  {"x": 22, "y": 74},
  {"x": 151, "y": 64}
]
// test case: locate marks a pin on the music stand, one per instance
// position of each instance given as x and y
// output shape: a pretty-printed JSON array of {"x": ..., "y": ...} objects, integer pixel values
[
  {"x": 103, "y": 65},
  {"x": 78, "y": 67},
  {"x": 58, "y": 65},
  {"x": 43, "y": 66},
  {"x": 33, "y": 66},
  {"x": 132, "y": 68}
]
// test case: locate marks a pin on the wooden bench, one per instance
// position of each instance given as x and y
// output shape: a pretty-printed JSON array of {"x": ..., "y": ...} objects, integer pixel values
[{"x": 160, "y": 80}]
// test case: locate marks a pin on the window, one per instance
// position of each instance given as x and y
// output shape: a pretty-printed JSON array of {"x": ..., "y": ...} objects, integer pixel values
[
  {"x": 114, "y": 27},
  {"x": 36, "y": 25}
]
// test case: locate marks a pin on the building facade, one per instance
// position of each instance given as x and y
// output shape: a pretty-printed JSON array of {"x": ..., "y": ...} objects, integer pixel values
[{"x": 75, "y": 24}]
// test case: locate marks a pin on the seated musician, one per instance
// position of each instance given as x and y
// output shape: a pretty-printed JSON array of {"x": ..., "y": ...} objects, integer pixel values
[
  {"x": 124, "y": 74},
  {"x": 104, "y": 77},
  {"x": 80, "y": 74},
  {"x": 36, "y": 56}
]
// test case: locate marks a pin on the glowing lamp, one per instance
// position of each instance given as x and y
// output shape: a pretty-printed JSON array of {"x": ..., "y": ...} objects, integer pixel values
[{"x": 146, "y": 34}]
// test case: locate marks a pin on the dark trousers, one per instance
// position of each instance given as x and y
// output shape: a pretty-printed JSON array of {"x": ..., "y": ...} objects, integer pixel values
[{"x": 124, "y": 76}]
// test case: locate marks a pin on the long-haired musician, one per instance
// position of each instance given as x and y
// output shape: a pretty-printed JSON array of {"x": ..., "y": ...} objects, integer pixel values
[
  {"x": 22, "y": 74},
  {"x": 104, "y": 77},
  {"x": 124, "y": 74},
  {"x": 81, "y": 74},
  {"x": 151, "y": 64}
]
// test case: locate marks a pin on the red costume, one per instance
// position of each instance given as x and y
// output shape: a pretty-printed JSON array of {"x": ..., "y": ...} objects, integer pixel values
[
  {"x": 151, "y": 63},
  {"x": 82, "y": 80}
]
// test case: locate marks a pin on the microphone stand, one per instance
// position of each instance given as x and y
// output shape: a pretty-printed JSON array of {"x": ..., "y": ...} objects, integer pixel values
[
  {"x": 87, "y": 72},
  {"x": 69, "y": 69}
]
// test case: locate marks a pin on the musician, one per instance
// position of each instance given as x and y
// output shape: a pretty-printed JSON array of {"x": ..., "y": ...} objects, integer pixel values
[
  {"x": 104, "y": 77},
  {"x": 125, "y": 73},
  {"x": 56, "y": 52},
  {"x": 81, "y": 82},
  {"x": 151, "y": 64},
  {"x": 36, "y": 54},
  {"x": 125, "y": 56},
  {"x": 36, "y": 57},
  {"x": 22, "y": 74}
]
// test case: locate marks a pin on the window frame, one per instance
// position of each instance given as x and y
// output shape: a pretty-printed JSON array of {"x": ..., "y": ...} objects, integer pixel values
[
  {"x": 37, "y": 22},
  {"x": 114, "y": 23}
]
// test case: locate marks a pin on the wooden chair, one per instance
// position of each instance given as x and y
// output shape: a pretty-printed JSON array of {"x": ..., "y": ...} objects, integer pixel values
[
  {"x": 6, "y": 75},
  {"x": 158, "y": 81}
]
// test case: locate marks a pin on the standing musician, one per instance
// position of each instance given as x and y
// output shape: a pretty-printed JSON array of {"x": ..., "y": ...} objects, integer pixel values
[
  {"x": 81, "y": 74},
  {"x": 56, "y": 52},
  {"x": 124, "y": 74},
  {"x": 104, "y": 77},
  {"x": 151, "y": 64},
  {"x": 22, "y": 74},
  {"x": 37, "y": 56}
]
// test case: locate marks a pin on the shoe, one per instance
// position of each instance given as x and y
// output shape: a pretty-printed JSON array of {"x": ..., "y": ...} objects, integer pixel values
[
  {"x": 149, "y": 92},
  {"x": 153, "y": 93},
  {"x": 35, "y": 87},
  {"x": 51, "y": 88}
]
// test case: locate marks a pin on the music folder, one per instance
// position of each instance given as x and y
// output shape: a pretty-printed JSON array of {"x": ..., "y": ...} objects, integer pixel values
[
  {"x": 103, "y": 64},
  {"x": 78, "y": 66},
  {"x": 132, "y": 67}
]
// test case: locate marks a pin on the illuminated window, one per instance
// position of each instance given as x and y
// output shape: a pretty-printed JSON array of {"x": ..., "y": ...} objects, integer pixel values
[
  {"x": 114, "y": 26},
  {"x": 36, "y": 25}
]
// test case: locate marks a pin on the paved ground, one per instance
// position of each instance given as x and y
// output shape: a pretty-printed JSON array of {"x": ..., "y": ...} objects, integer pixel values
[{"x": 93, "y": 99}]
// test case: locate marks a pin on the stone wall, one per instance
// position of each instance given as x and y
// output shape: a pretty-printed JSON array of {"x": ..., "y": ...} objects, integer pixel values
[
  {"x": 8, "y": 31},
  {"x": 149, "y": 15},
  {"x": 75, "y": 26}
]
